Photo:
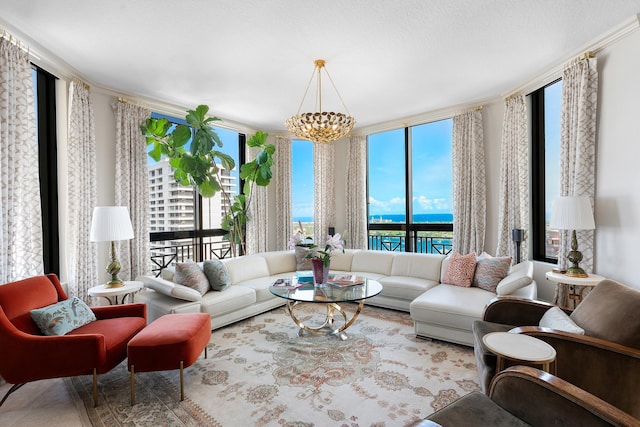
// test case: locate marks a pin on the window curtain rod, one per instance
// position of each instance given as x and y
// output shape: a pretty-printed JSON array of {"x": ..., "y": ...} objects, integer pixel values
[
  {"x": 470, "y": 110},
  {"x": 17, "y": 42}
]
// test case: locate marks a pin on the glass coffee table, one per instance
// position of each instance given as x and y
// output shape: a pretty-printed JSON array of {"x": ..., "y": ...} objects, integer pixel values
[{"x": 332, "y": 296}]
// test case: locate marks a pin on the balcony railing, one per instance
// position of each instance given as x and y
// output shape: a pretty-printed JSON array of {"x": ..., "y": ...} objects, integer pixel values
[{"x": 422, "y": 238}]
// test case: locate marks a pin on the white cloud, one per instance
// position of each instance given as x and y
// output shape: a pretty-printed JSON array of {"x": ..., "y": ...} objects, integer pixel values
[{"x": 432, "y": 205}]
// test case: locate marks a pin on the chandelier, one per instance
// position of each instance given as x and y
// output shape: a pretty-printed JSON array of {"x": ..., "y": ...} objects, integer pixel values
[{"x": 321, "y": 126}]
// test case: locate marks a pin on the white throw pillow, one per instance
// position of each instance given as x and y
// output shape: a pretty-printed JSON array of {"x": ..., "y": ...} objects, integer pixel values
[
  {"x": 519, "y": 276},
  {"x": 171, "y": 289},
  {"x": 555, "y": 318}
]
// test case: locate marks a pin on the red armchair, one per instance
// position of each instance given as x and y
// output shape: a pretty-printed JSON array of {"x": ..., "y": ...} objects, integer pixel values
[{"x": 27, "y": 355}]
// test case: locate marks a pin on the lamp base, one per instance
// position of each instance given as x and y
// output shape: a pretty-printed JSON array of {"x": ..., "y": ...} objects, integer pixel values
[
  {"x": 575, "y": 272},
  {"x": 117, "y": 283}
]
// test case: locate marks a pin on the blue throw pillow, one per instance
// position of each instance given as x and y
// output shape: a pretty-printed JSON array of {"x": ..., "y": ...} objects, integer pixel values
[
  {"x": 63, "y": 317},
  {"x": 217, "y": 274}
]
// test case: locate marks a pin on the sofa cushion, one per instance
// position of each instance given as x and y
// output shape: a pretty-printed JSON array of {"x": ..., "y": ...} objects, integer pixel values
[
  {"x": 63, "y": 317},
  {"x": 261, "y": 286},
  {"x": 341, "y": 261},
  {"x": 555, "y": 318},
  {"x": 377, "y": 262},
  {"x": 246, "y": 268},
  {"x": 610, "y": 312},
  {"x": 520, "y": 275},
  {"x": 280, "y": 262},
  {"x": 423, "y": 266},
  {"x": 460, "y": 269},
  {"x": 406, "y": 288},
  {"x": 190, "y": 274},
  {"x": 232, "y": 299},
  {"x": 217, "y": 274},
  {"x": 490, "y": 271},
  {"x": 171, "y": 289}
]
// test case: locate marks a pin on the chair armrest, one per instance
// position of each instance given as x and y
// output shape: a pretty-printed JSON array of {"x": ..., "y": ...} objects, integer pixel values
[
  {"x": 563, "y": 403},
  {"x": 124, "y": 310},
  {"x": 515, "y": 311},
  {"x": 605, "y": 369}
]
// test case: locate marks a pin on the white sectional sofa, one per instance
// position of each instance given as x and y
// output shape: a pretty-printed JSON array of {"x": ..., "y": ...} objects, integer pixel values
[{"x": 411, "y": 282}]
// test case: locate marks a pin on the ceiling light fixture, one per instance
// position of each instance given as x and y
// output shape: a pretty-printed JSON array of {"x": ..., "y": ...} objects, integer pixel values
[{"x": 321, "y": 126}]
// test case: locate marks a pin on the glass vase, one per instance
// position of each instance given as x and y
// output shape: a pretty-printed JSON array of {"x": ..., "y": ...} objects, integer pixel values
[{"x": 320, "y": 273}]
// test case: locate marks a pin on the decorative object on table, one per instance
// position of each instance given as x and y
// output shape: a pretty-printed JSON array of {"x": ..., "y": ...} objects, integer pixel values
[
  {"x": 301, "y": 243},
  {"x": 110, "y": 224},
  {"x": 320, "y": 126},
  {"x": 573, "y": 213},
  {"x": 343, "y": 280},
  {"x": 321, "y": 259}
]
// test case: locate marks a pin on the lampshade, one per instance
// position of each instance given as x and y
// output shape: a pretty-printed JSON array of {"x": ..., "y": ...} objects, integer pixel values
[
  {"x": 572, "y": 213},
  {"x": 111, "y": 223},
  {"x": 320, "y": 126}
]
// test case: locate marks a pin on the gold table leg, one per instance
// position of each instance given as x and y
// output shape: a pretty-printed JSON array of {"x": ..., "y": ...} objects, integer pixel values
[{"x": 327, "y": 327}]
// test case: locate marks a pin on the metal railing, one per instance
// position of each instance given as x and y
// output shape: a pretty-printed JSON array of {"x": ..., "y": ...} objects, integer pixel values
[{"x": 422, "y": 238}]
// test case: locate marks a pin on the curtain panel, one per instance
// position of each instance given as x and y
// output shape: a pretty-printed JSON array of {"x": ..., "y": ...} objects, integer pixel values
[
  {"x": 469, "y": 184},
  {"x": 21, "y": 250},
  {"x": 132, "y": 187},
  {"x": 578, "y": 147},
  {"x": 282, "y": 181},
  {"x": 257, "y": 215},
  {"x": 324, "y": 200},
  {"x": 82, "y": 261},
  {"x": 356, "y": 233},
  {"x": 513, "y": 211}
]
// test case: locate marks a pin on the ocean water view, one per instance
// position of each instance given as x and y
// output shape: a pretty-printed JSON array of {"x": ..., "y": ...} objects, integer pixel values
[{"x": 441, "y": 218}]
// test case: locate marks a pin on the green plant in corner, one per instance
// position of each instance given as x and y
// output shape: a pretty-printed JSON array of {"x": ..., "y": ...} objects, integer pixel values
[{"x": 203, "y": 165}]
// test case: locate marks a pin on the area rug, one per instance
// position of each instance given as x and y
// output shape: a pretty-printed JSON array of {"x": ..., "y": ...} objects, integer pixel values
[{"x": 260, "y": 372}]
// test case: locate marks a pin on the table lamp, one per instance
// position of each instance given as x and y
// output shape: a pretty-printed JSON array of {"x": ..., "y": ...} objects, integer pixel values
[
  {"x": 573, "y": 213},
  {"x": 109, "y": 224}
]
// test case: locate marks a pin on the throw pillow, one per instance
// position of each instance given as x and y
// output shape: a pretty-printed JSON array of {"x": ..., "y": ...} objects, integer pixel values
[
  {"x": 301, "y": 262},
  {"x": 63, "y": 317},
  {"x": 217, "y": 274},
  {"x": 555, "y": 318},
  {"x": 490, "y": 271},
  {"x": 191, "y": 275},
  {"x": 460, "y": 269}
]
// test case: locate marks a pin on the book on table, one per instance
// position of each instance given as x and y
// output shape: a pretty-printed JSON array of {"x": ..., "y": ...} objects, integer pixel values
[
  {"x": 286, "y": 283},
  {"x": 345, "y": 280}
]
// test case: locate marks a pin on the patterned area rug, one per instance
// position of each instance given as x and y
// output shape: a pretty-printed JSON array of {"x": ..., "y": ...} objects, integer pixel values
[{"x": 259, "y": 372}]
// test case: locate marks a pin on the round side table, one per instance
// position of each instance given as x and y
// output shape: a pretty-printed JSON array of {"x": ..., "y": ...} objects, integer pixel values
[
  {"x": 112, "y": 294},
  {"x": 571, "y": 290},
  {"x": 520, "y": 348}
]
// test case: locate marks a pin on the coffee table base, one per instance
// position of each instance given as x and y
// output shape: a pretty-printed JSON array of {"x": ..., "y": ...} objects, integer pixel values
[{"x": 328, "y": 326}]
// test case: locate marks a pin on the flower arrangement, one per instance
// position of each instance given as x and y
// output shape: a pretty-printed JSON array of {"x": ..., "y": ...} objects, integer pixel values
[{"x": 335, "y": 242}]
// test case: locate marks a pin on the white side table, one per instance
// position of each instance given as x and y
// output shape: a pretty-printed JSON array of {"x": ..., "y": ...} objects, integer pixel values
[
  {"x": 520, "y": 348},
  {"x": 112, "y": 294},
  {"x": 571, "y": 290}
]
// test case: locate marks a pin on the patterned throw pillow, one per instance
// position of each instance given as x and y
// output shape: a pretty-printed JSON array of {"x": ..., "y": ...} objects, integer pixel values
[
  {"x": 63, "y": 317},
  {"x": 460, "y": 269},
  {"x": 191, "y": 275},
  {"x": 217, "y": 274},
  {"x": 490, "y": 271}
]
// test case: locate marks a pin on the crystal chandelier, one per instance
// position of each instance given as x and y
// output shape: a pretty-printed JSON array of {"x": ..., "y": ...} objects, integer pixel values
[{"x": 321, "y": 126}]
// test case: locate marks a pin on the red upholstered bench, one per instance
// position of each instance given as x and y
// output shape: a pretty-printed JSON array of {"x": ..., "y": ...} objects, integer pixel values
[{"x": 174, "y": 341}]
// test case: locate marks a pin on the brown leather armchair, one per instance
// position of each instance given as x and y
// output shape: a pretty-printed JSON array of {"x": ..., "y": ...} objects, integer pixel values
[
  {"x": 605, "y": 361},
  {"x": 27, "y": 355},
  {"x": 525, "y": 396}
]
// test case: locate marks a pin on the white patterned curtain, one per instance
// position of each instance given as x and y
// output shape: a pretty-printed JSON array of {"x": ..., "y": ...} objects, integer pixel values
[
  {"x": 469, "y": 184},
  {"x": 132, "y": 187},
  {"x": 356, "y": 184},
  {"x": 21, "y": 251},
  {"x": 578, "y": 146},
  {"x": 258, "y": 214},
  {"x": 82, "y": 261},
  {"x": 513, "y": 211},
  {"x": 282, "y": 181},
  {"x": 324, "y": 198}
]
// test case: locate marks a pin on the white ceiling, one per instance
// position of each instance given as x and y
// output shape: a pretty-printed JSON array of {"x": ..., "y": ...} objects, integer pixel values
[{"x": 250, "y": 60}]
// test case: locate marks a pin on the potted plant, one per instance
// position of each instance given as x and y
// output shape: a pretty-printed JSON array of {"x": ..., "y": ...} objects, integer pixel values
[{"x": 202, "y": 164}]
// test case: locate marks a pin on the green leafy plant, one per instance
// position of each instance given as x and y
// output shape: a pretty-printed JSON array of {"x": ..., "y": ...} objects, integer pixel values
[{"x": 202, "y": 164}]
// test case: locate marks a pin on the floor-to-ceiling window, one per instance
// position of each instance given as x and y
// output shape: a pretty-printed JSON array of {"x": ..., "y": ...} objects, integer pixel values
[
  {"x": 184, "y": 225},
  {"x": 302, "y": 186},
  {"x": 410, "y": 189},
  {"x": 545, "y": 135}
]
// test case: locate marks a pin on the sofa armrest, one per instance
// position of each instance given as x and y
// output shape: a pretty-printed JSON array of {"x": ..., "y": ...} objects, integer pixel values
[
  {"x": 171, "y": 289},
  {"x": 523, "y": 390},
  {"x": 605, "y": 369},
  {"x": 515, "y": 311}
]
